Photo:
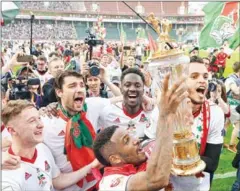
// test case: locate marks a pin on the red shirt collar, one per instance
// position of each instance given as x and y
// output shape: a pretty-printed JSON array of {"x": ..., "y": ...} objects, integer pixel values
[
  {"x": 196, "y": 113},
  {"x": 32, "y": 160},
  {"x": 127, "y": 169},
  {"x": 131, "y": 115}
]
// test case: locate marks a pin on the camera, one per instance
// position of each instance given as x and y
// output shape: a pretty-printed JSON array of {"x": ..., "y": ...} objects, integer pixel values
[
  {"x": 19, "y": 88},
  {"x": 91, "y": 39},
  {"x": 94, "y": 69},
  {"x": 212, "y": 86}
]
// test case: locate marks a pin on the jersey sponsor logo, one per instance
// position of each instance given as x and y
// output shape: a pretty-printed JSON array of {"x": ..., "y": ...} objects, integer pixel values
[
  {"x": 117, "y": 120},
  {"x": 47, "y": 167},
  {"x": 131, "y": 127},
  {"x": 148, "y": 124},
  {"x": 27, "y": 176},
  {"x": 143, "y": 118},
  {"x": 62, "y": 133},
  {"x": 42, "y": 180},
  {"x": 115, "y": 182}
]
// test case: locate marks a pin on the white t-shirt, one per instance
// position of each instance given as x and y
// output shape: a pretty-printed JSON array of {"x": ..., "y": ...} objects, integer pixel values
[
  {"x": 34, "y": 174},
  {"x": 136, "y": 125},
  {"x": 54, "y": 136}
]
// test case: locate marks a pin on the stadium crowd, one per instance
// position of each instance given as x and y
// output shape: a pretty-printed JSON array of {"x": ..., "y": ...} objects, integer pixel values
[
  {"x": 43, "y": 30},
  {"x": 49, "y": 6}
]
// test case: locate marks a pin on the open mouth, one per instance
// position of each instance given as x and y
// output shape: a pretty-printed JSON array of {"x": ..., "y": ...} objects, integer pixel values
[
  {"x": 78, "y": 99},
  {"x": 132, "y": 96},
  {"x": 201, "y": 90}
]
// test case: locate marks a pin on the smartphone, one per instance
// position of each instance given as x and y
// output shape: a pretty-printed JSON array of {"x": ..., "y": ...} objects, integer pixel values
[
  {"x": 25, "y": 58},
  {"x": 126, "y": 48}
]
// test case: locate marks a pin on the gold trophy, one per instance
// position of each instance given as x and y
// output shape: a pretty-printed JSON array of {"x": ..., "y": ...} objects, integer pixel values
[{"x": 170, "y": 59}]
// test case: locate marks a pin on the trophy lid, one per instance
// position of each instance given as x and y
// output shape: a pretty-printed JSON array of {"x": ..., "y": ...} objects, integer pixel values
[{"x": 166, "y": 46}]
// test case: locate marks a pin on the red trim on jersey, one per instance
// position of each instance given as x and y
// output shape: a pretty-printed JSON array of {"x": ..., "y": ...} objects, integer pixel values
[
  {"x": 32, "y": 160},
  {"x": 196, "y": 113},
  {"x": 131, "y": 115},
  {"x": 2, "y": 127}
]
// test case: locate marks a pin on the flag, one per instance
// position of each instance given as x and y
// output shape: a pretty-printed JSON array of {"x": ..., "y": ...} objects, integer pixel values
[
  {"x": 141, "y": 35},
  {"x": 221, "y": 23},
  {"x": 9, "y": 11},
  {"x": 123, "y": 35},
  {"x": 152, "y": 44},
  {"x": 235, "y": 40}
]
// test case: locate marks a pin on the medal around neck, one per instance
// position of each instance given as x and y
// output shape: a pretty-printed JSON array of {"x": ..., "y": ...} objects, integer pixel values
[{"x": 169, "y": 58}]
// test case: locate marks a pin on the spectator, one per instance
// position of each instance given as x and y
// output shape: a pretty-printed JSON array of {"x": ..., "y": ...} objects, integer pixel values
[
  {"x": 232, "y": 84},
  {"x": 38, "y": 51},
  {"x": 221, "y": 57}
]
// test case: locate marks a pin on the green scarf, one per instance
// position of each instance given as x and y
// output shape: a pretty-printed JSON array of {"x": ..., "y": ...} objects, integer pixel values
[{"x": 79, "y": 127}]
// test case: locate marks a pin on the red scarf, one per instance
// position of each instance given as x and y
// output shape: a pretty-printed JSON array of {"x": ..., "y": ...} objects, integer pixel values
[
  {"x": 206, "y": 123},
  {"x": 78, "y": 157}
]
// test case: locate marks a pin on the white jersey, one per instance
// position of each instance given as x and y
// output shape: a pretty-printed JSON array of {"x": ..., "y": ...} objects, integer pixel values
[
  {"x": 54, "y": 136},
  {"x": 34, "y": 174},
  {"x": 114, "y": 182},
  {"x": 137, "y": 124}
]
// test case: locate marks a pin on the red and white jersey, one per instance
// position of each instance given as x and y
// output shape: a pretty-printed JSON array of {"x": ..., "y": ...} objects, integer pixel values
[
  {"x": 136, "y": 124},
  {"x": 114, "y": 182},
  {"x": 54, "y": 136},
  {"x": 34, "y": 174}
]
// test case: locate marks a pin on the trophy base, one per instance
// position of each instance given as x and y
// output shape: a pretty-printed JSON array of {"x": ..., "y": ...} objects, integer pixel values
[{"x": 181, "y": 170}]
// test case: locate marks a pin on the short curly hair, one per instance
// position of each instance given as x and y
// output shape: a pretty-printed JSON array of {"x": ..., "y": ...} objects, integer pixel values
[
  {"x": 133, "y": 71},
  {"x": 196, "y": 59},
  {"x": 103, "y": 146}
]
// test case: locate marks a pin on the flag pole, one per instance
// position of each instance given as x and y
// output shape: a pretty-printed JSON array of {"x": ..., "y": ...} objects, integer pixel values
[{"x": 140, "y": 16}]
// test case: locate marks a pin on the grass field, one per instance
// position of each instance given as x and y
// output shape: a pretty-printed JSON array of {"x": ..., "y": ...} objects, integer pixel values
[
  {"x": 225, "y": 166},
  {"x": 234, "y": 58}
]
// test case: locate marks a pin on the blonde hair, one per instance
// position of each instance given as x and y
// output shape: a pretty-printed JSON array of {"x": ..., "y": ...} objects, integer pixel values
[{"x": 14, "y": 108}]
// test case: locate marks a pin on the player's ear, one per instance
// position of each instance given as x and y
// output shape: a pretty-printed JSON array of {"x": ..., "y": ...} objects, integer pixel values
[{"x": 115, "y": 159}]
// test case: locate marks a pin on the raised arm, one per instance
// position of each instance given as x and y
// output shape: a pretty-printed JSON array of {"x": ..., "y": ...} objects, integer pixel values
[{"x": 159, "y": 164}]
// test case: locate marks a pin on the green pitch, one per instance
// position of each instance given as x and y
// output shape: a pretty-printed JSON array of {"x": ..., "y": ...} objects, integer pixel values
[
  {"x": 234, "y": 58},
  {"x": 221, "y": 183}
]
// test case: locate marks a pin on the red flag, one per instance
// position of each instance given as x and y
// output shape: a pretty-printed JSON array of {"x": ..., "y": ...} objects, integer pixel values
[
  {"x": 152, "y": 44},
  {"x": 2, "y": 22}
]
